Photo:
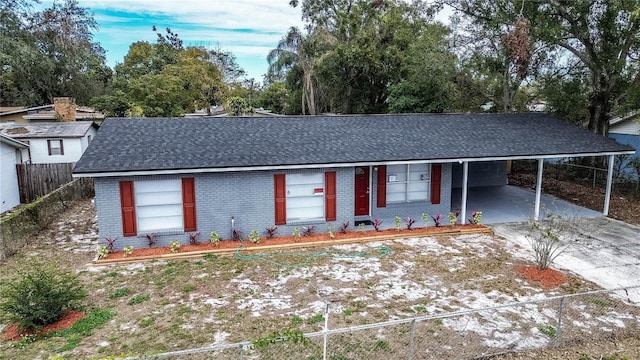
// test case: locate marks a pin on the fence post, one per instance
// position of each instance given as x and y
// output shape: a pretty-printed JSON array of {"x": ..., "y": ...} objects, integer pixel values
[
  {"x": 412, "y": 334},
  {"x": 3, "y": 248},
  {"x": 559, "y": 324},
  {"x": 241, "y": 348},
  {"x": 326, "y": 328}
]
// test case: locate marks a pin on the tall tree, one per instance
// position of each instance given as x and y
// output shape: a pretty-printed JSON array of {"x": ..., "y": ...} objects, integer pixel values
[
  {"x": 497, "y": 40},
  {"x": 201, "y": 79},
  {"x": 363, "y": 49},
  {"x": 293, "y": 51},
  {"x": 165, "y": 79},
  {"x": 57, "y": 44},
  {"x": 602, "y": 35},
  {"x": 274, "y": 97},
  {"x": 429, "y": 69}
]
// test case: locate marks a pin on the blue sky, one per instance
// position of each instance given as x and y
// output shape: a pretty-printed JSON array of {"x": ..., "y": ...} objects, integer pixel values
[{"x": 247, "y": 28}]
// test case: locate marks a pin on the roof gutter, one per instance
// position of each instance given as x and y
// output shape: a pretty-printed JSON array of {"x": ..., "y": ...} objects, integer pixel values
[
  {"x": 11, "y": 141},
  {"x": 336, "y": 165}
]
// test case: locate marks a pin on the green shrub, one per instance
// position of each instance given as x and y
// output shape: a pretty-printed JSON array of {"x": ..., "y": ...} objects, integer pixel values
[{"x": 40, "y": 296}]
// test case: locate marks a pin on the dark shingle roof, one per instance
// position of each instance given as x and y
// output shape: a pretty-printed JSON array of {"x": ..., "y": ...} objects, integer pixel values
[{"x": 124, "y": 145}]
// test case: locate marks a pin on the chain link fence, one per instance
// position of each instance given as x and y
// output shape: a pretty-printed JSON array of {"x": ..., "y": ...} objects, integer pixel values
[
  {"x": 554, "y": 322},
  {"x": 18, "y": 226}
]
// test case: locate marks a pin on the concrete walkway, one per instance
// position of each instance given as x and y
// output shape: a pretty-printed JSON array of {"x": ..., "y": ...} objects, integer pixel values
[{"x": 606, "y": 253}]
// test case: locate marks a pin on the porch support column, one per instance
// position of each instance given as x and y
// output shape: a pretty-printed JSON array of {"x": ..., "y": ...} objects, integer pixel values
[
  {"x": 465, "y": 180},
  {"x": 607, "y": 195},
  {"x": 536, "y": 215}
]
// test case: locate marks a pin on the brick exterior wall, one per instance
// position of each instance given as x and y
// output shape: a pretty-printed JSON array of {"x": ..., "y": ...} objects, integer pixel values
[
  {"x": 249, "y": 198},
  {"x": 416, "y": 208}
]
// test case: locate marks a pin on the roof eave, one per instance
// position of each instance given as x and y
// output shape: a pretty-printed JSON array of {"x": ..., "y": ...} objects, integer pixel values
[
  {"x": 337, "y": 165},
  {"x": 12, "y": 112},
  {"x": 11, "y": 141}
]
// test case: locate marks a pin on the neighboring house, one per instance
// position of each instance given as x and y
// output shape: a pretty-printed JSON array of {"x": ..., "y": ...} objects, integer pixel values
[
  {"x": 537, "y": 106},
  {"x": 58, "y": 142},
  {"x": 11, "y": 153},
  {"x": 62, "y": 109},
  {"x": 173, "y": 176},
  {"x": 626, "y": 130}
]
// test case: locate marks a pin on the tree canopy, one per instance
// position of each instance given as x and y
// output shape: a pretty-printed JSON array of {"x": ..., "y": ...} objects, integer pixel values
[
  {"x": 579, "y": 57},
  {"x": 167, "y": 79},
  {"x": 593, "y": 47},
  {"x": 49, "y": 53}
]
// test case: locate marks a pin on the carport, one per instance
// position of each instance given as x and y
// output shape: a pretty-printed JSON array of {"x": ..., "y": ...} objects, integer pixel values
[
  {"x": 508, "y": 203},
  {"x": 502, "y": 202},
  {"x": 480, "y": 182}
]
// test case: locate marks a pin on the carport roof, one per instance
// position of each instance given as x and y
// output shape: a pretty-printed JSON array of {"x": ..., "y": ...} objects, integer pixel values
[{"x": 126, "y": 146}]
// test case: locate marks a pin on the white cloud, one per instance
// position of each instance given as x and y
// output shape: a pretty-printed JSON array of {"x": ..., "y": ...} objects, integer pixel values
[
  {"x": 247, "y": 28},
  {"x": 269, "y": 15}
]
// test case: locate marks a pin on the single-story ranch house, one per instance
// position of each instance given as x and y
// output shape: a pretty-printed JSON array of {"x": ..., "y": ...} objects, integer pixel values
[{"x": 172, "y": 176}]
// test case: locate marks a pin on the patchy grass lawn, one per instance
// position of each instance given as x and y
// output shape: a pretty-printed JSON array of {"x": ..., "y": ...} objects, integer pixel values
[{"x": 171, "y": 305}]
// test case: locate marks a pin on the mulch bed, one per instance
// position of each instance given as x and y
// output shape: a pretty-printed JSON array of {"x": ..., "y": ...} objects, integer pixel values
[
  {"x": 12, "y": 332},
  {"x": 547, "y": 278},
  {"x": 314, "y": 239}
]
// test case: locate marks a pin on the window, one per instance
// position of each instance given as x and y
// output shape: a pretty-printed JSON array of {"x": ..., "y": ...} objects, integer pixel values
[
  {"x": 157, "y": 205},
  {"x": 305, "y": 196},
  {"x": 55, "y": 147},
  {"x": 88, "y": 139},
  {"x": 406, "y": 183}
]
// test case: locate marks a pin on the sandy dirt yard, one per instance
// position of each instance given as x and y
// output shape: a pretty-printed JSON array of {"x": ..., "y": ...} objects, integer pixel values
[{"x": 164, "y": 306}]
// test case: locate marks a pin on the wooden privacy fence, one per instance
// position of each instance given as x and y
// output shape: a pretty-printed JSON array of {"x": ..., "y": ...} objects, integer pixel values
[{"x": 35, "y": 180}]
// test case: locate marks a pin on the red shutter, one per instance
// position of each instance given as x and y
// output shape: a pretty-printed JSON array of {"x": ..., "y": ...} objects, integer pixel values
[
  {"x": 436, "y": 180},
  {"x": 330, "y": 195},
  {"x": 61, "y": 147},
  {"x": 127, "y": 204},
  {"x": 280, "y": 199},
  {"x": 189, "y": 204},
  {"x": 382, "y": 186},
  {"x": 49, "y": 146}
]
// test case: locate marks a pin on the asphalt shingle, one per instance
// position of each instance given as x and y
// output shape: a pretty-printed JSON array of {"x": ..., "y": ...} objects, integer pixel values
[{"x": 124, "y": 144}]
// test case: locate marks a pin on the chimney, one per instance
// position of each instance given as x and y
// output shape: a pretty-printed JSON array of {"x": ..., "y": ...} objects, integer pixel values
[{"x": 65, "y": 108}]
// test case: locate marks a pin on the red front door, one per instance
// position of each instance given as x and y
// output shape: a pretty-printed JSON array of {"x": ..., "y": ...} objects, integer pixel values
[{"x": 362, "y": 191}]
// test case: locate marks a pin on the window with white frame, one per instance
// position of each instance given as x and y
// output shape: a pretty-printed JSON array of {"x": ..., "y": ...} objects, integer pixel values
[
  {"x": 55, "y": 147},
  {"x": 406, "y": 183},
  {"x": 305, "y": 196},
  {"x": 158, "y": 204}
]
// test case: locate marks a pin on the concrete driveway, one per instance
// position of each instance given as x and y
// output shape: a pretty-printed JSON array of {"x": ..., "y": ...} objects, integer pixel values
[{"x": 606, "y": 253}]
